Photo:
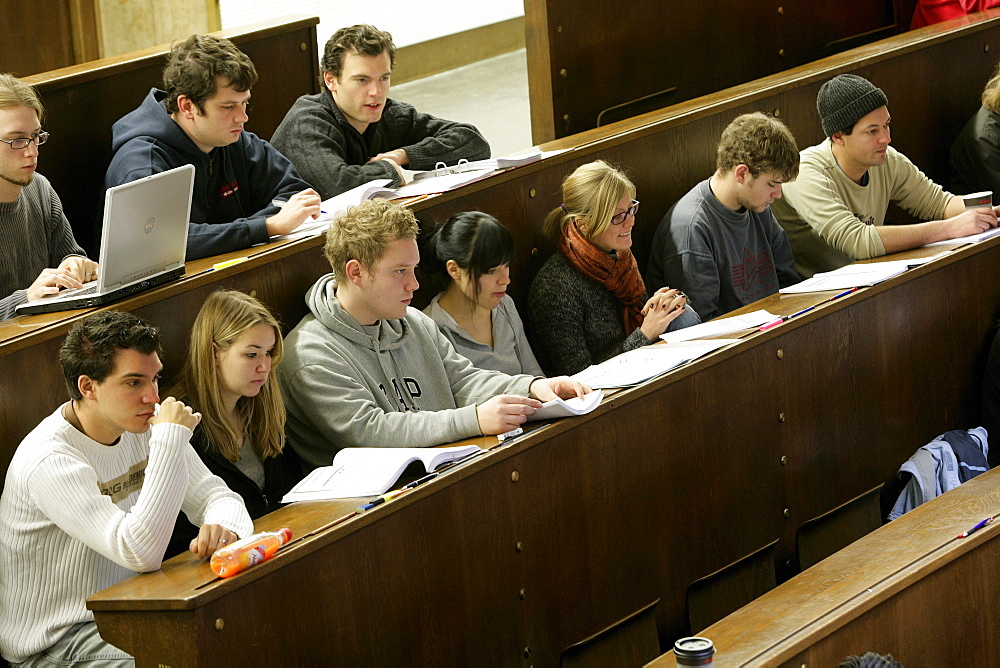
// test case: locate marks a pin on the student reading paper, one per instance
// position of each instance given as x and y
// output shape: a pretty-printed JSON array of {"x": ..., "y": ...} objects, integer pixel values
[{"x": 365, "y": 369}]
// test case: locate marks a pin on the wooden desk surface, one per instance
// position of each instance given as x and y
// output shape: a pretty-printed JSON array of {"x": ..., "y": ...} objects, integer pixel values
[
  {"x": 820, "y": 616},
  {"x": 573, "y": 518}
]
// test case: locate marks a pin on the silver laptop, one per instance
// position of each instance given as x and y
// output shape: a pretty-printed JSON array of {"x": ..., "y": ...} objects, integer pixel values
[{"x": 143, "y": 241}]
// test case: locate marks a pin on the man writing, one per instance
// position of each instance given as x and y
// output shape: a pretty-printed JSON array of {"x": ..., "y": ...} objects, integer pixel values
[
  {"x": 352, "y": 132},
  {"x": 720, "y": 243},
  {"x": 199, "y": 121},
  {"x": 37, "y": 248},
  {"x": 365, "y": 369},
  {"x": 92, "y": 493},
  {"x": 834, "y": 213}
]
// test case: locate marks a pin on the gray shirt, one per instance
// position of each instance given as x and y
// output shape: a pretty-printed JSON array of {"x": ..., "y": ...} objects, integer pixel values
[
  {"x": 721, "y": 259},
  {"x": 511, "y": 352},
  {"x": 34, "y": 235}
]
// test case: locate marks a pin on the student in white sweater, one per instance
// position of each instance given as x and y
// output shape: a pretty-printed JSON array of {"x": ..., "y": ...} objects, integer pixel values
[{"x": 92, "y": 493}]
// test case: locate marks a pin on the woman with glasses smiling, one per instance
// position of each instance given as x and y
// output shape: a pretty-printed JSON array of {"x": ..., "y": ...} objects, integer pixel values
[{"x": 588, "y": 301}]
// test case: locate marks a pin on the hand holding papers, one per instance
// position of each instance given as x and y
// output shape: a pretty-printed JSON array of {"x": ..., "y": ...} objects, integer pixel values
[
  {"x": 370, "y": 471},
  {"x": 558, "y": 408}
]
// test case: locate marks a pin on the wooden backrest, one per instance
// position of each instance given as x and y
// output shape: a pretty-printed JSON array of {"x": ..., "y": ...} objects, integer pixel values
[
  {"x": 592, "y": 62},
  {"x": 910, "y": 589},
  {"x": 82, "y": 102}
]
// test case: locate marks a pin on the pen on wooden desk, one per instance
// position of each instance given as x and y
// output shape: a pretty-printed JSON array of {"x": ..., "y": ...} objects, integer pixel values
[
  {"x": 845, "y": 292},
  {"x": 966, "y": 534},
  {"x": 379, "y": 500},
  {"x": 785, "y": 318}
]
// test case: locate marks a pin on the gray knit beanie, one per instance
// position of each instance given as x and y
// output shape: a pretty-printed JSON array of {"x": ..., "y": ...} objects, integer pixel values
[{"x": 846, "y": 99}]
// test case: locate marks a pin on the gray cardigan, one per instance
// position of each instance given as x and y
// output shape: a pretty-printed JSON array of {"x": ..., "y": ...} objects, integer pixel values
[{"x": 577, "y": 322}]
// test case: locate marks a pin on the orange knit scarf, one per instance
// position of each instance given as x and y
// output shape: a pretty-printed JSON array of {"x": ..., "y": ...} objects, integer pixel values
[{"x": 617, "y": 272}]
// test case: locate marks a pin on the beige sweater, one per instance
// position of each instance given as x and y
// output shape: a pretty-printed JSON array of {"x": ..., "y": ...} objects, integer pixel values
[{"x": 830, "y": 220}]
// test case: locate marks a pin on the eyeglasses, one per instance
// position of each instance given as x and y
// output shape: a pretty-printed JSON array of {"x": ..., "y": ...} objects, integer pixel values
[
  {"x": 619, "y": 218},
  {"x": 22, "y": 143}
]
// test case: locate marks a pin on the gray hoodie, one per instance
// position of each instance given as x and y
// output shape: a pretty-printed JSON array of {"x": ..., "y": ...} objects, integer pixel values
[{"x": 398, "y": 383}]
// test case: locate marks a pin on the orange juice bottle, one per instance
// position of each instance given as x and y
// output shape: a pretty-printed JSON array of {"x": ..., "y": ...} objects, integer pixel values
[{"x": 250, "y": 551}]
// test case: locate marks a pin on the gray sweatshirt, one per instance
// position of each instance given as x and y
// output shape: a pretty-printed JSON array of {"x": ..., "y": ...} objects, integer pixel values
[{"x": 397, "y": 383}]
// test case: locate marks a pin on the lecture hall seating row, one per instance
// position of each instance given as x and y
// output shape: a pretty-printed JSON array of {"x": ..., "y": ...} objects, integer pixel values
[
  {"x": 705, "y": 476},
  {"x": 82, "y": 102},
  {"x": 662, "y": 486},
  {"x": 911, "y": 589},
  {"x": 591, "y": 63}
]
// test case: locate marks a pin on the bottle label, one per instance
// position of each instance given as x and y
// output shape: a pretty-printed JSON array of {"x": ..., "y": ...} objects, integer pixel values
[{"x": 255, "y": 556}]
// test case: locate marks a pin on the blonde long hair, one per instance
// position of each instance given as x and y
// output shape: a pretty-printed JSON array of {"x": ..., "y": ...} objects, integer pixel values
[
  {"x": 991, "y": 93},
  {"x": 224, "y": 316},
  {"x": 590, "y": 194}
]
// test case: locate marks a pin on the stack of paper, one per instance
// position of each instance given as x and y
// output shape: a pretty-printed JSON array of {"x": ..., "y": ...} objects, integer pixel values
[
  {"x": 370, "y": 471},
  {"x": 337, "y": 205},
  {"x": 971, "y": 239},
  {"x": 637, "y": 366},
  {"x": 720, "y": 326},
  {"x": 491, "y": 164},
  {"x": 857, "y": 275}
]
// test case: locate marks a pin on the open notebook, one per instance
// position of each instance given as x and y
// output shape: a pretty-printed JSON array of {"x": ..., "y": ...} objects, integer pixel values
[
  {"x": 143, "y": 241},
  {"x": 360, "y": 472}
]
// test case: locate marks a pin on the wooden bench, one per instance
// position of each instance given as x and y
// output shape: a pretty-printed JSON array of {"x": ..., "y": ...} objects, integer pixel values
[
  {"x": 548, "y": 541},
  {"x": 911, "y": 589},
  {"x": 82, "y": 102},
  {"x": 591, "y": 63}
]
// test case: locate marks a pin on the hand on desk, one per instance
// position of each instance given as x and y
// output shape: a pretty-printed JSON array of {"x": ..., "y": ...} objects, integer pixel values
[
  {"x": 210, "y": 538},
  {"x": 388, "y": 157},
  {"x": 296, "y": 210},
  {"x": 398, "y": 156},
  {"x": 660, "y": 310},
  {"x": 972, "y": 222},
  {"x": 71, "y": 274}
]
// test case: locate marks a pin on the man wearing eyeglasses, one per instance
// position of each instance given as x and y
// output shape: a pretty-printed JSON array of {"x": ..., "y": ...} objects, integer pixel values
[
  {"x": 720, "y": 243},
  {"x": 37, "y": 248}
]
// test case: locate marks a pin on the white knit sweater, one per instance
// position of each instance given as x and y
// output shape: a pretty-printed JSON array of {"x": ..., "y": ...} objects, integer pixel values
[{"x": 77, "y": 516}]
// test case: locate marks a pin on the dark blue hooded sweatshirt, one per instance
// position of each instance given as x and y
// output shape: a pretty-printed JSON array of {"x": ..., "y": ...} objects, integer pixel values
[{"x": 233, "y": 185}]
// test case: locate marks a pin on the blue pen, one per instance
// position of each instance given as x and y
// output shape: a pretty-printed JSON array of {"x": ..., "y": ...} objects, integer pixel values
[
  {"x": 975, "y": 528},
  {"x": 845, "y": 292}
]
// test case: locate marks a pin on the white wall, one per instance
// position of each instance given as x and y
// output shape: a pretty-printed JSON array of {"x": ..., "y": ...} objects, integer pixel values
[{"x": 409, "y": 22}]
